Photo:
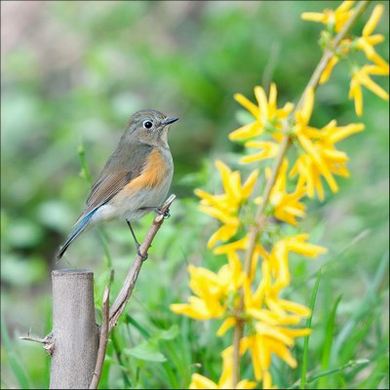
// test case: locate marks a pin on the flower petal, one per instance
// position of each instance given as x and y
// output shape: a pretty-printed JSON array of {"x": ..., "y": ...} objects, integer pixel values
[
  {"x": 246, "y": 103},
  {"x": 373, "y": 20}
]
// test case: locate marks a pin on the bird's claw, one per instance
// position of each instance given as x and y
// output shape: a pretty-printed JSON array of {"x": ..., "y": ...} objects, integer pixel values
[
  {"x": 165, "y": 214},
  {"x": 142, "y": 256}
]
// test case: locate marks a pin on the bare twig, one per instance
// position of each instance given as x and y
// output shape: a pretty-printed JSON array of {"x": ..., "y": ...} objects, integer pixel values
[
  {"x": 111, "y": 316},
  {"x": 128, "y": 285},
  {"x": 47, "y": 342},
  {"x": 103, "y": 338},
  {"x": 260, "y": 219}
]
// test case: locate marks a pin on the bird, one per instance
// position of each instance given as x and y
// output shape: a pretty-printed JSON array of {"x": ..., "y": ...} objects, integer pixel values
[{"x": 135, "y": 179}]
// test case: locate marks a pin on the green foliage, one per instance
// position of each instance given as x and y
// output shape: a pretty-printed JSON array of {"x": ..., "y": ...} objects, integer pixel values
[
  {"x": 305, "y": 354},
  {"x": 14, "y": 361},
  {"x": 75, "y": 82}
]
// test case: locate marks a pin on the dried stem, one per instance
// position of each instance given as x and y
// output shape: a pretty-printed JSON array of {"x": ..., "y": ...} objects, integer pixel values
[
  {"x": 47, "y": 341},
  {"x": 128, "y": 285},
  {"x": 111, "y": 315},
  {"x": 103, "y": 337},
  {"x": 260, "y": 219}
]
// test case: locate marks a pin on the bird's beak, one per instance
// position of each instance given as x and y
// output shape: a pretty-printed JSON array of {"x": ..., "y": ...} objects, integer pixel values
[{"x": 168, "y": 121}]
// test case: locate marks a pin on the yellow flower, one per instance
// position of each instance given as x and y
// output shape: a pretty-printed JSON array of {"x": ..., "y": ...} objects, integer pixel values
[
  {"x": 211, "y": 291},
  {"x": 268, "y": 117},
  {"x": 367, "y": 41},
  {"x": 328, "y": 69},
  {"x": 264, "y": 304},
  {"x": 268, "y": 149},
  {"x": 261, "y": 346},
  {"x": 231, "y": 249},
  {"x": 362, "y": 77},
  {"x": 286, "y": 206},
  {"x": 226, "y": 207},
  {"x": 209, "y": 294},
  {"x": 278, "y": 259},
  {"x": 271, "y": 317},
  {"x": 331, "y": 18},
  {"x": 319, "y": 157},
  {"x": 268, "y": 340},
  {"x": 226, "y": 379}
]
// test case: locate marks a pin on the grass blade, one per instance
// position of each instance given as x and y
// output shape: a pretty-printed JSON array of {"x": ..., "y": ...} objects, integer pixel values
[
  {"x": 14, "y": 362},
  {"x": 364, "y": 308},
  {"x": 308, "y": 325},
  {"x": 323, "y": 382},
  {"x": 314, "y": 377}
]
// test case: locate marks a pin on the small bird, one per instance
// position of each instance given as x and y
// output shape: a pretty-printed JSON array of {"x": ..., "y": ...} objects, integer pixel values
[{"x": 135, "y": 179}]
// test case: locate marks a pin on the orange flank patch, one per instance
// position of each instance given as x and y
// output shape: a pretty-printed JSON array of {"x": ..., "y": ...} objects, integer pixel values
[{"x": 152, "y": 175}]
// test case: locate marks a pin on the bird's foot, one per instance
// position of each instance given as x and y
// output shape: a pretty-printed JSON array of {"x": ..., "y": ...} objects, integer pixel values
[
  {"x": 143, "y": 256},
  {"x": 165, "y": 213}
]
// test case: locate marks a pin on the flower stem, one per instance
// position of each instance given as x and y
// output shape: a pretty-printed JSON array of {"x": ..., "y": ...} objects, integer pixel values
[{"x": 255, "y": 230}]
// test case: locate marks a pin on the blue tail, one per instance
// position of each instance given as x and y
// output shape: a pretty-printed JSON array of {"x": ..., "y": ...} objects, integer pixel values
[{"x": 78, "y": 228}]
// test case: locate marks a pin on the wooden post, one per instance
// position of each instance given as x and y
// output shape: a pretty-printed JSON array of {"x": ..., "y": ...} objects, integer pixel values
[{"x": 75, "y": 333}]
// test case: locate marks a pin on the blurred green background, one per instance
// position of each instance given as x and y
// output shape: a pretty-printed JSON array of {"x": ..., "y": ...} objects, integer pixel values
[{"x": 72, "y": 73}]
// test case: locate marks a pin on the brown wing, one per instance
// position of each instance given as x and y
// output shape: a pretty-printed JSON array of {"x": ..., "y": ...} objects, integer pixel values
[
  {"x": 125, "y": 164},
  {"x": 106, "y": 188}
]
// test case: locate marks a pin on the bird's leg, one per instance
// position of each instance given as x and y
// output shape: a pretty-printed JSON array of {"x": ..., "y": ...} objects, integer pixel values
[
  {"x": 144, "y": 257},
  {"x": 133, "y": 234},
  {"x": 166, "y": 214}
]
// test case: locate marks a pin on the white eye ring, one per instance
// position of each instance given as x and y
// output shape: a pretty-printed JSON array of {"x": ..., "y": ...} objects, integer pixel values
[{"x": 148, "y": 124}]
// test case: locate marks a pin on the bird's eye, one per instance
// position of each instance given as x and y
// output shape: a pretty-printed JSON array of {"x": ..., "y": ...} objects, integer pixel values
[{"x": 148, "y": 124}]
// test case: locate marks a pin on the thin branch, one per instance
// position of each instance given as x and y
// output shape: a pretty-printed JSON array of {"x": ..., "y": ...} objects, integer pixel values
[
  {"x": 47, "y": 342},
  {"x": 103, "y": 338},
  {"x": 34, "y": 339},
  {"x": 260, "y": 219},
  {"x": 132, "y": 275},
  {"x": 111, "y": 316}
]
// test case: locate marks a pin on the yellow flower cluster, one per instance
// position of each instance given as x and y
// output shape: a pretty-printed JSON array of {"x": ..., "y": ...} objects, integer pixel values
[
  {"x": 253, "y": 295},
  {"x": 225, "y": 207},
  {"x": 268, "y": 118},
  {"x": 333, "y": 19},
  {"x": 286, "y": 206},
  {"x": 318, "y": 157},
  {"x": 271, "y": 317},
  {"x": 216, "y": 294},
  {"x": 212, "y": 291},
  {"x": 360, "y": 75}
]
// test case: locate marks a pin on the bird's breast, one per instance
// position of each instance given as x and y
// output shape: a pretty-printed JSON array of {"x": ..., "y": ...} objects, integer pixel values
[
  {"x": 148, "y": 190},
  {"x": 157, "y": 168}
]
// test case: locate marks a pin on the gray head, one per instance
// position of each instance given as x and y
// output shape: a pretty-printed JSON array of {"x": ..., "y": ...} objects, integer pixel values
[{"x": 150, "y": 127}]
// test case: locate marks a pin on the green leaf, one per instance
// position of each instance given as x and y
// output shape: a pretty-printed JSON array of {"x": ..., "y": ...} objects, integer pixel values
[
  {"x": 132, "y": 321},
  {"x": 364, "y": 308},
  {"x": 146, "y": 351},
  {"x": 168, "y": 334},
  {"x": 323, "y": 382},
  {"x": 308, "y": 325}
]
